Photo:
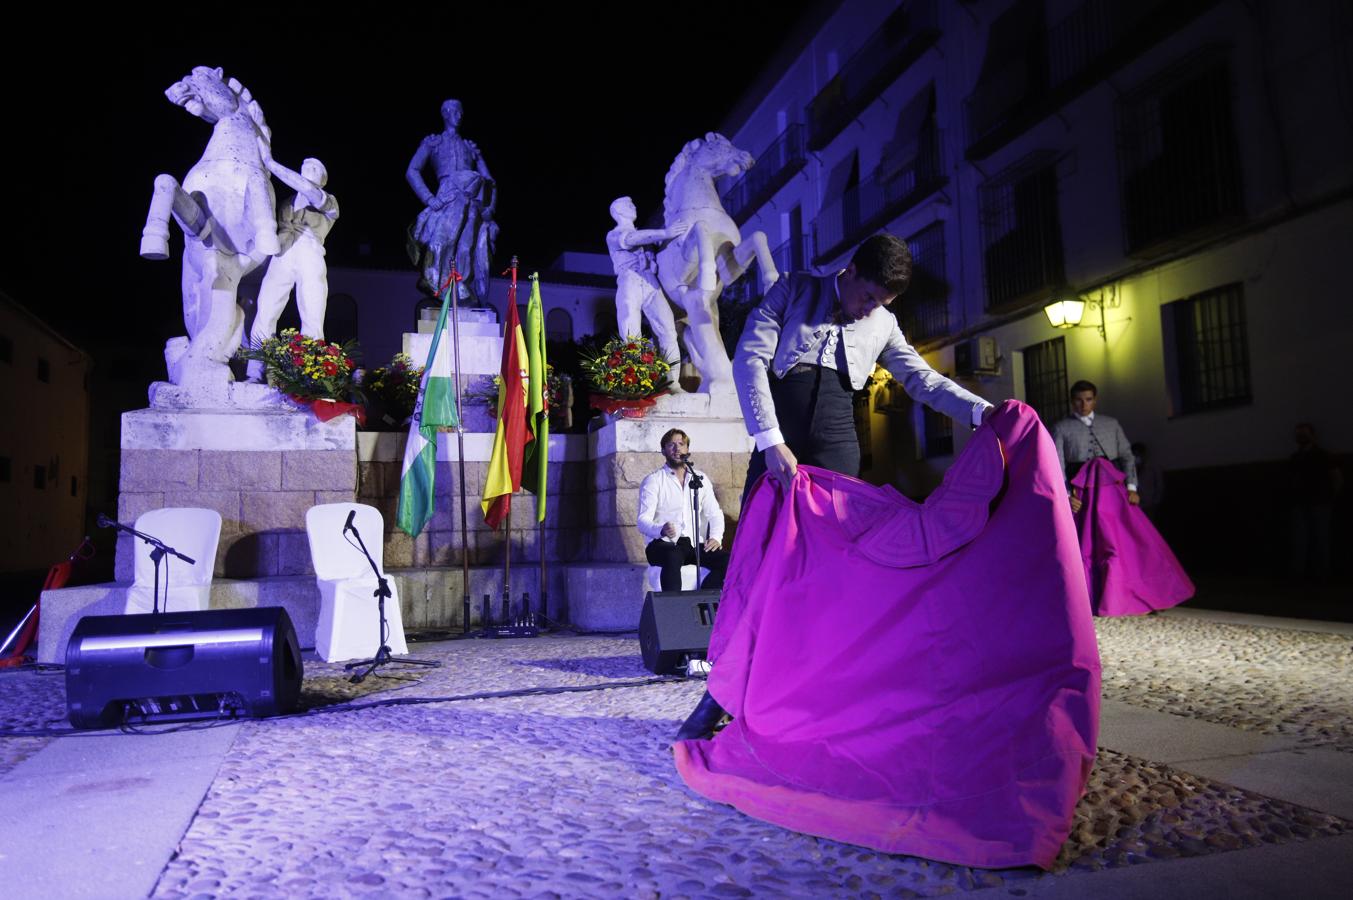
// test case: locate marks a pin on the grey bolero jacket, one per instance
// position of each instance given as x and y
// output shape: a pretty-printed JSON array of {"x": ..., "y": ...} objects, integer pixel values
[{"x": 790, "y": 324}]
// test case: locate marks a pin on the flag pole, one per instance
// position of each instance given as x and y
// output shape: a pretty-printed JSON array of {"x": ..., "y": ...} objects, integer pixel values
[
  {"x": 454, "y": 287},
  {"x": 540, "y": 520},
  {"x": 507, "y": 520}
]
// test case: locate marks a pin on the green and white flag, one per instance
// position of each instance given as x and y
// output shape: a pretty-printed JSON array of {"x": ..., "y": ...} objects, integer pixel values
[{"x": 435, "y": 411}]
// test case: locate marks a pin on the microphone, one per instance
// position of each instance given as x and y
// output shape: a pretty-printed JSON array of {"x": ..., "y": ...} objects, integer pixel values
[
  {"x": 684, "y": 457},
  {"x": 347, "y": 526}
]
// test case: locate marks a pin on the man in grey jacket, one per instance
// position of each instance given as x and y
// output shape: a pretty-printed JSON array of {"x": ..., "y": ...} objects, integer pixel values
[
  {"x": 812, "y": 342},
  {"x": 1086, "y": 434}
]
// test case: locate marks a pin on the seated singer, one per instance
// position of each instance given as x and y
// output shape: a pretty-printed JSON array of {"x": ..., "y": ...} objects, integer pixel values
[{"x": 667, "y": 517}]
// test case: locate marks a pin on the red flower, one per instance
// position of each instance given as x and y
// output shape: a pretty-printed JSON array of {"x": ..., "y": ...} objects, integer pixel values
[
  {"x": 330, "y": 367},
  {"x": 614, "y": 360},
  {"x": 297, "y": 359},
  {"x": 297, "y": 340},
  {"x": 630, "y": 377},
  {"x": 646, "y": 358},
  {"x": 351, "y": 365},
  {"x": 631, "y": 346},
  {"x": 333, "y": 350}
]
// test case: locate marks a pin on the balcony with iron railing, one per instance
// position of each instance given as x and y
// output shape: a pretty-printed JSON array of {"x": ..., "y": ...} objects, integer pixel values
[
  {"x": 781, "y": 161},
  {"x": 1069, "y": 58},
  {"x": 873, "y": 203},
  {"x": 1181, "y": 174},
  {"x": 898, "y": 43},
  {"x": 747, "y": 289}
]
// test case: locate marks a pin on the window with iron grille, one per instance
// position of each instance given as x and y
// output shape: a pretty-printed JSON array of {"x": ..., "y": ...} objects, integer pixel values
[
  {"x": 1211, "y": 352},
  {"x": 923, "y": 311},
  {"x": 1022, "y": 233},
  {"x": 1045, "y": 387},
  {"x": 1178, "y": 156},
  {"x": 939, "y": 433}
]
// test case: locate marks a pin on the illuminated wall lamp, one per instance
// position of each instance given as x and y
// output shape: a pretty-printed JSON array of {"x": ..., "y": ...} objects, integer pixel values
[
  {"x": 1068, "y": 313},
  {"x": 1065, "y": 313}
]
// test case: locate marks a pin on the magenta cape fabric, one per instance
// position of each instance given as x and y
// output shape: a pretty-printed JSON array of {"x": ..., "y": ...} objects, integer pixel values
[
  {"x": 918, "y": 679},
  {"x": 1128, "y": 565}
]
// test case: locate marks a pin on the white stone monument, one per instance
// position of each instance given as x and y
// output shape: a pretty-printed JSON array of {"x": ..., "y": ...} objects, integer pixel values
[
  {"x": 710, "y": 253},
  {"x": 302, "y": 225},
  {"x": 225, "y": 207},
  {"x": 637, "y": 293}
]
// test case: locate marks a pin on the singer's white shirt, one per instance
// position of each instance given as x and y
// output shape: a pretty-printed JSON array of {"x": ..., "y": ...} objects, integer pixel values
[{"x": 664, "y": 497}]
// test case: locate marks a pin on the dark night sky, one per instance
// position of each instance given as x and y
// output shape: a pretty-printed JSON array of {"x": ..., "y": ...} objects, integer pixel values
[{"x": 570, "y": 109}]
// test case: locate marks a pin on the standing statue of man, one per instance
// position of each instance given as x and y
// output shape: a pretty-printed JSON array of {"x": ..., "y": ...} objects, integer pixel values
[
  {"x": 457, "y": 225},
  {"x": 302, "y": 225},
  {"x": 637, "y": 294}
]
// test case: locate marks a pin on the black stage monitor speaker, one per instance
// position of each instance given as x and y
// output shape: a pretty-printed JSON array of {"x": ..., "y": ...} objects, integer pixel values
[
  {"x": 183, "y": 665},
  {"x": 675, "y": 624}
]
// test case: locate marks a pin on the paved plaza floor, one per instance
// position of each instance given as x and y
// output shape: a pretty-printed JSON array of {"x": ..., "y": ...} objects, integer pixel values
[{"x": 1226, "y": 770}]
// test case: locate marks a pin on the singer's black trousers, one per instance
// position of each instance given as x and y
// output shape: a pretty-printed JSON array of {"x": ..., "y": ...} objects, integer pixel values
[{"x": 670, "y": 557}]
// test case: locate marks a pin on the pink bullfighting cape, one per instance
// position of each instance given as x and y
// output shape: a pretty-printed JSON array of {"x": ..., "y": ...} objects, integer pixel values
[
  {"x": 1128, "y": 565},
  {"x": 915, "y": 678}
]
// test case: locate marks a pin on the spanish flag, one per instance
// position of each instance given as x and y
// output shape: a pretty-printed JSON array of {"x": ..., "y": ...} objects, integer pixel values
[{"x": 503, "y": 477}]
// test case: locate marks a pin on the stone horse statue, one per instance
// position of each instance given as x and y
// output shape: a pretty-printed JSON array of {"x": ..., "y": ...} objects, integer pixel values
[
  {"x": 226, "y": 209},
  {"x": 711, "y": 253}
]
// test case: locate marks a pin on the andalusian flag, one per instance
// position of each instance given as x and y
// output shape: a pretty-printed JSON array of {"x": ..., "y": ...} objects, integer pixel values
[
  {"x": 536, "y": 464},
  {"x": 435, "y": 411},
  {"x": 503, "y": 477}
]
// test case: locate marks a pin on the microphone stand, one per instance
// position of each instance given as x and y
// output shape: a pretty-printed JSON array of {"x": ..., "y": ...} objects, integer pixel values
[
  {"x": 695, "y": 482},
  {"x": 383, "y": 653},
  {"x": 159, "y": 550}
]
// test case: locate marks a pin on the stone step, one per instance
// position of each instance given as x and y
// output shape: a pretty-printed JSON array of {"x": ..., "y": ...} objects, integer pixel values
[{"x": 590, "y": 596}]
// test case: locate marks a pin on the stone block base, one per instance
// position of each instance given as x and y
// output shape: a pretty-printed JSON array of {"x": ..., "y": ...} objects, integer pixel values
[
  {"x": 429, "y": 598},
  {"x": 606, "y": 597},
  {"x": 261, "y": 470}
]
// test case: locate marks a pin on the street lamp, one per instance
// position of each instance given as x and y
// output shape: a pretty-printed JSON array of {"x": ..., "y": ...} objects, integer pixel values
[{"x": 1067, "y": 313}]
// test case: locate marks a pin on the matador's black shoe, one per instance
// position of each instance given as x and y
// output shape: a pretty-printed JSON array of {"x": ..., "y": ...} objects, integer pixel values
[{"x": 700, "y": 724}]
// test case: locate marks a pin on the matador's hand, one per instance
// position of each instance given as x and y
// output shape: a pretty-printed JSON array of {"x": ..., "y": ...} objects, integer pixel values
[{"x": 781, "y": 463}]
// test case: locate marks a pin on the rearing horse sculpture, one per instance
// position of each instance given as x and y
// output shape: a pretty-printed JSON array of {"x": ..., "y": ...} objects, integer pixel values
[
  {"x": 226, "y": 209},
  {"x": 694, "y": 268}
]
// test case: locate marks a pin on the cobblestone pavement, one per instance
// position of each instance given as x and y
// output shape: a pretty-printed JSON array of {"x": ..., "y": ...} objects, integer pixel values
[
  {"x": 574, "y": 794},
  {"x": 1271, "y": 680}
]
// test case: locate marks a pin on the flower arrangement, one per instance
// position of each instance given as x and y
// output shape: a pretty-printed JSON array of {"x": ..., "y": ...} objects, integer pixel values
[
  {"x": 308, "y": 369},
  {"x": 394, "y": 388},
  {"x": 484, "y": 389},
  {"x": 628, "y": 368},
  {"x": 558, "y": 394}
]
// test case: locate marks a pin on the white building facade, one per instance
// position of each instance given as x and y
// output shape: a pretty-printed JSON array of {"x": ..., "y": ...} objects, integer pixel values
[{"x": 1184, "y": 169}]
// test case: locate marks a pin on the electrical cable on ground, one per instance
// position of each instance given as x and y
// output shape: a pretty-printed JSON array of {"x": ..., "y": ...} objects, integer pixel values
[{"x": 129, "y": 728}]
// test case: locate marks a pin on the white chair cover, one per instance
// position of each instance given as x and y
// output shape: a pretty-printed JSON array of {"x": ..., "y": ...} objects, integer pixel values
[
  {"x": 194, "y": 533},
  {"x": 349, "y": 620},
  {"x": 653, "y": 579}
]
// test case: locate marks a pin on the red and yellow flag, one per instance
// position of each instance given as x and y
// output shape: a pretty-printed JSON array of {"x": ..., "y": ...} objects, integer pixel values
[{"x": 503, "y": 477}]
